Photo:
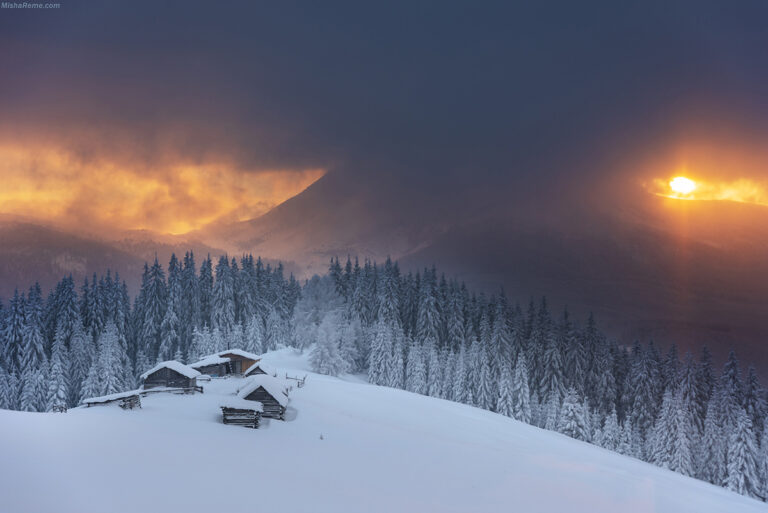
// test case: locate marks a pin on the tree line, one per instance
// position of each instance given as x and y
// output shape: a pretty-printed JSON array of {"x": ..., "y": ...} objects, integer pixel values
[
  {"x": 429, "y": 335},
  {"x": 74, "y": 344}
]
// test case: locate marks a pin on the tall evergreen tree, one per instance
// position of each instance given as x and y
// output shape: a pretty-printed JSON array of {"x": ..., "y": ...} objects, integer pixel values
[
  {"x": 58, "y": 377},
  {"x": 32, "y": 351},
  {"x": 205, "y": 290},
  {"x": 325, "y": 357},
  {"x": 521, "y": 406},
  {"x": 742, "y": 471},
  {"x": 573, "y": 421},
  {"x": 155, "y": 306},
  {"x": 223, "y": 307},
  {"x": 416, "y": 376}
]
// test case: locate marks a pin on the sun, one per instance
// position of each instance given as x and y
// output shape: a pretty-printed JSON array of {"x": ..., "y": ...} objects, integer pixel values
[{"x": 682, "y": 185}]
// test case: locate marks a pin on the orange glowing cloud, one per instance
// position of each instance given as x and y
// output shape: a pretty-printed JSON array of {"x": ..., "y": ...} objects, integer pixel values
[
  {"x": 684, "y": 187},
  {"x": 717, "y": 167},
  {"x": 100, "y": 194}
]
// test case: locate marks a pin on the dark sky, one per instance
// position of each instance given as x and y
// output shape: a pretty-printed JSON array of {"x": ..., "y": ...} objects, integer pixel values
[
  {"x": 440, "y": 91},
  {"x": 456, "y": 106}
]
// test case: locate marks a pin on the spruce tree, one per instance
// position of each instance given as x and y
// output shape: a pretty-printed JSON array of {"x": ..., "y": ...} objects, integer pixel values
[
  {"x": 81, "y": 353},
  {"x": 689, "y": 393},
  {"x": 459, "y": 392},
  {"x": 610, "y": 434},
  {"x": 223, "y": 305},
  {"x": 742, "y": 471},
  {"x": 169, "y": 332},
  {"x": 381, "y": 349},
  {"x": 154, "y": 309},
  {"x": 254, "y": 335},
  {"x": 572, "y": 420},
  {"x": 521, "y": 405},
  {"x": 486, "y": 393},
  {"x": 754, "y": 401},
  {"x": 552, "y": 386},
  {"x": 574, "y": 357},
  {"x": 505, "y": 403},
  {"x": 396, "y": 371},
  {"x": 32, "y": 352},
  {"x": 205, "y": 291},
  {"x": 416, "y": 375},
  {"x": 434, "y": 373},
  {"x": 13, "y": 333},
  {"x": 58, "y": 379},
  {"x": 325, "y": 357},
  {"x": 711, "y": 458},
  {"x": 550, "y": 414}
]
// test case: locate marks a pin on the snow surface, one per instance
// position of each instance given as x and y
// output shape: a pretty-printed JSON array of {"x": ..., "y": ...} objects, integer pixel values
[
  {"x": 274, "y": 387},
  {"x": 350, "y": 447},
  {"x": 182, "y": 369}
]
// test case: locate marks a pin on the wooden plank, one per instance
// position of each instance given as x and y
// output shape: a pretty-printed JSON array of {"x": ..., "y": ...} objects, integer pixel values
[{"x": 240, "y": 417}]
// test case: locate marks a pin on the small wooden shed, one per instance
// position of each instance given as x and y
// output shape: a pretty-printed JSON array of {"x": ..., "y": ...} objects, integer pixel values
[
  {"x": 128, "y": 400},
  {"x": 213, "y": 365},
  {"x": 241, "y": 413},
  {"x": 270, "y": 392},
  {"x": 171, "y": 374},
  {"x": 230, "y": 361}
]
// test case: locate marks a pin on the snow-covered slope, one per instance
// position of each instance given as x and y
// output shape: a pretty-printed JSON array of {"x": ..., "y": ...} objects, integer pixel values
[{"x": 381, "y": 450}]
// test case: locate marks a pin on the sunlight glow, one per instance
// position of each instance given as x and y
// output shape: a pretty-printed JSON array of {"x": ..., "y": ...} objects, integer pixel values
[
  {"x": 682, "y": 185},
  {"x": 740, "y": 191}
]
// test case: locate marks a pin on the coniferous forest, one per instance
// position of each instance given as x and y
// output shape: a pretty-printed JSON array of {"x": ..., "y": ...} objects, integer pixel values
[{"x": 417, "y": 331}]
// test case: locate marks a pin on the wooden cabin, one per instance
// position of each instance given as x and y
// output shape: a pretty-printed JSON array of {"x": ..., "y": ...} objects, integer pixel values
[
  {"x": 230, "y": 361},
  {"x": 171, "y": 374},
  {"x": 212, "y": 365},
  {"x": 270, "y": 392},
  {"x": 239, "y": 360}
]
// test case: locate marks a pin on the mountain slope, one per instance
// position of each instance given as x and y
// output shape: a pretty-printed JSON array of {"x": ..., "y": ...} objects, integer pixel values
[
  {"x": 336, "y": 216},
  {"x": 649, "y": 267},
  {"x": 30, "y": 252},
  {"x": 381, "y": 450},
  {"x": 692, "y": 273}
]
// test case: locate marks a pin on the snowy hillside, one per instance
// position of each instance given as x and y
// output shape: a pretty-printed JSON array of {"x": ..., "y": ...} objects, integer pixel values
[{"x": 381, "y": 450}]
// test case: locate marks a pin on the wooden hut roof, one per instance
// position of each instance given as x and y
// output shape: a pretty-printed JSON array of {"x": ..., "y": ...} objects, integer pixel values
[
  {"x": 256, "y": 366},
  {"x": 274, "y": 387},
  {"x": 111, "y": 397},
  {"x": 239, "y": 352},
  {"x": 210, "y": 360},
  {"x": 182, "y": 369},
  {"x": 241, "y": 404}
]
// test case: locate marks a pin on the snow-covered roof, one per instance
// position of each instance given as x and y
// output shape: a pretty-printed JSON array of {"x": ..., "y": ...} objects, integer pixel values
[
  {"x": 210, "y": 360},
  {"x": 241, "y": 404},
  {"x": 239, "y": 352},
  {"x": 112, "y": 397},
  {"x": 257, "y": 365},
  {"x": 182, "y": 369},
  {"x": 274, "y": 387}
]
